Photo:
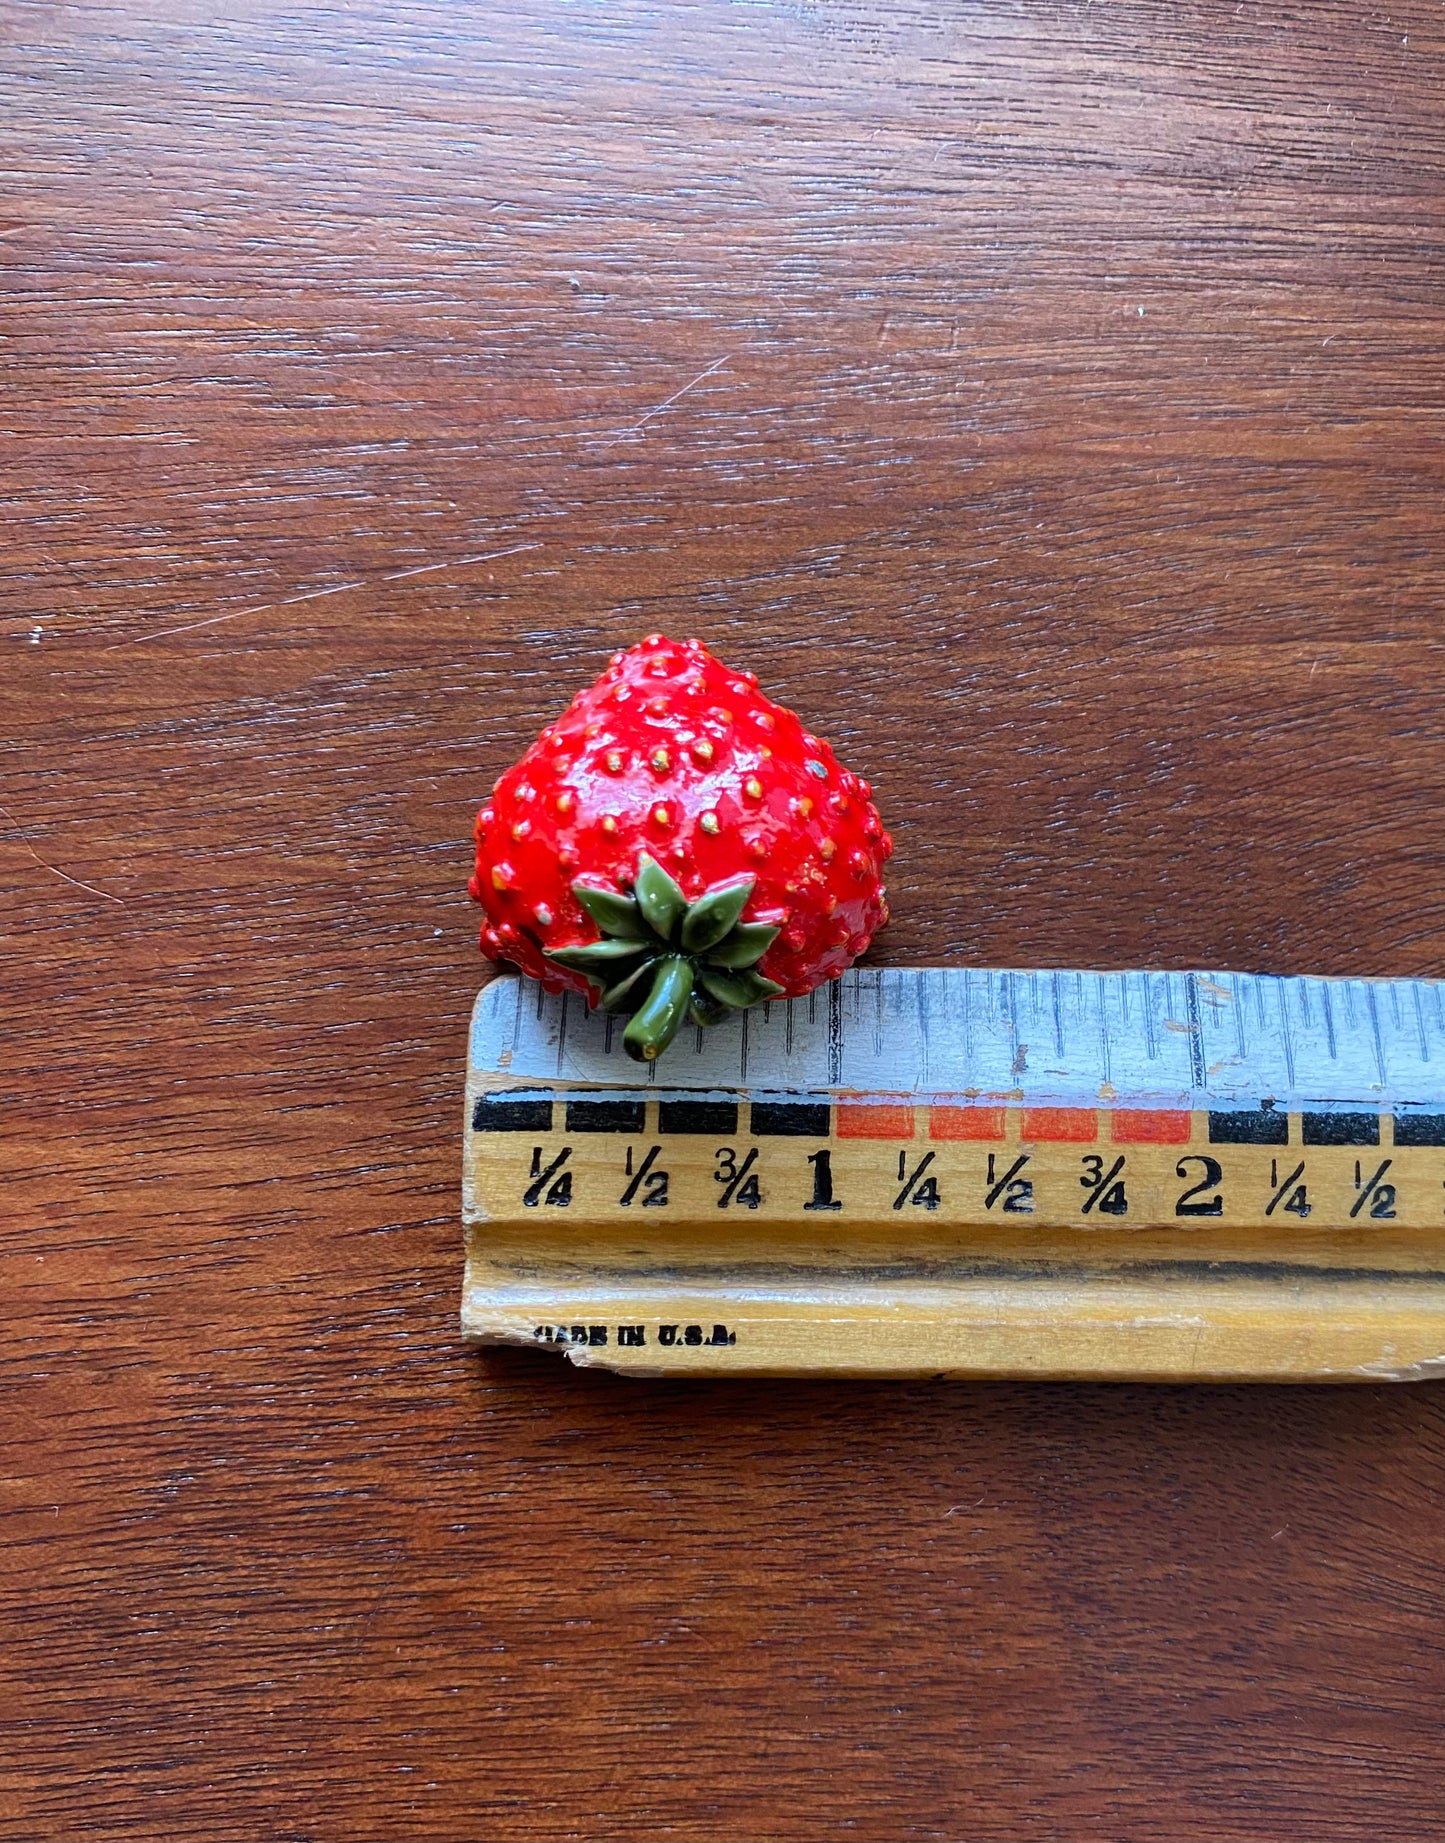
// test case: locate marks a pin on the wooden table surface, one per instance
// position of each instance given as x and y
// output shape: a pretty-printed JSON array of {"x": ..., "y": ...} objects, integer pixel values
[{"x": 1045, "y": 400}]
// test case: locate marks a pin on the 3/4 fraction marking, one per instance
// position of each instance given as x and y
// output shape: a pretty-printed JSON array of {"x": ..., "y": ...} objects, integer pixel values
[
  {"x": 1105, "y": 1188},
  {"x": 739, "y": 1181}
]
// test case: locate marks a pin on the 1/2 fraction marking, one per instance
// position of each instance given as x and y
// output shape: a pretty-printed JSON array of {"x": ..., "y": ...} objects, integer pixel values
[
  {"x": 1379, "y": 1196},
  {"x": 1017, "y": 1192},
  {"x": 655, "y": 1193}
]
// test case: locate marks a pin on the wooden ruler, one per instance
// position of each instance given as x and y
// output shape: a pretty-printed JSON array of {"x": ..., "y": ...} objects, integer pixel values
[{"x": 962, "y": 1173}]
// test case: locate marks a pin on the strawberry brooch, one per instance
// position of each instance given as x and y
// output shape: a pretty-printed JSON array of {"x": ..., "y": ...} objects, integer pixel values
[{"x": 676, "y": 846}]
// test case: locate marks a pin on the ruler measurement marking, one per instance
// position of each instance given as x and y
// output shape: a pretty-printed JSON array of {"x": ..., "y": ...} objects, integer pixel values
[
  {"x": 1195, "y": 1023},
  {"x": 1104, "y": 1056},
  {"x": 1310, "y": 1179},
  {"x": 927, "y": 1032},
  {"x": 562, "y": 1034},
  {"x": 1379, "y": 1046},
  {"x": 1286, "y": 1040}
]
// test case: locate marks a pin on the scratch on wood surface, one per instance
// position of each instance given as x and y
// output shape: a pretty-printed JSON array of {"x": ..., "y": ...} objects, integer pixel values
[
  {"x": 637, "y": 427},
  {"x": 312, "y": 595},
  {"x": 55, "y": 869}
]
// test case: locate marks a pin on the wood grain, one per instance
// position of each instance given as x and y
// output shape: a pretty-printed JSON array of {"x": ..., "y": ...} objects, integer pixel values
[{"x": 1047, "y": 402}]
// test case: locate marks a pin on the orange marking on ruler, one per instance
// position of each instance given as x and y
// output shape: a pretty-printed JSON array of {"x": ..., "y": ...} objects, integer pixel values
[
  {"x": 1059, "y": 1125},
  {"x": 1150, "y": 1126},
  {"x": 874, "y": 1120},
  {"x": 965, "y": 1122}
]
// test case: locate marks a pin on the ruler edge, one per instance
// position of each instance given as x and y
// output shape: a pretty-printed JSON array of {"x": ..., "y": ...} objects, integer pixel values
[{"x": 1193, "y": 1098}]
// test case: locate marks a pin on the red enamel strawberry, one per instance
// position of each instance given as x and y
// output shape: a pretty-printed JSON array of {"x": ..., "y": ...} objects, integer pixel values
[{"x": 676, "y": 845}]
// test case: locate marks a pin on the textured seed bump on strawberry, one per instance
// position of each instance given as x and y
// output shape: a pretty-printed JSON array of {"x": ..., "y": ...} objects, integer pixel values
[{"x": 676, "y": 845}]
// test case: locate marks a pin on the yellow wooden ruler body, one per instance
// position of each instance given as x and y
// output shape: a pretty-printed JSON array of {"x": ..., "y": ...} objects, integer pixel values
[{"x": 925, "y": 1173}]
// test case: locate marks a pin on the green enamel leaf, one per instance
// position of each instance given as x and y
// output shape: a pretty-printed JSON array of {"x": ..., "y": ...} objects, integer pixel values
[
  {"x": 745, "y": 946},
  {"x": 661, "y": 1017},
  {"x": 629, "y": 992},
  {"x": 617, "y": 916},
  {"x": 736, "y": 990},
  {"x": 714, "y": 913},
  {"x": 705, "y": 1010},
  {"x": 661, "y": 901},
  {"x": 597, "y": 957}
]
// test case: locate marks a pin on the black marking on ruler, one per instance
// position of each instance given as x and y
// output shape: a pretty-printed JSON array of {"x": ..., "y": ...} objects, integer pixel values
[
  {"x": 641, "y": 1172},
  {"x": 805, "y": 1119},
  {"x": 1330, "y": 1044},
  {"x": 1420, "y": 1021},
  {"x": 1340, "y": 1128},
  {"x": 1419, "y": 1129},
  {"x": 734, "y": 1183},
  {"x": 761, "y": 1273},
  {"x": 1003, "y": 1183},
  {"x": 912, "y": 1182},
  {"x": 1239, "y": 1039},
  {"x": 1104, "y": 1048},
  {"x": 719, "y": 1118},
  {"x": 835, "y": 1032},
  {"x": 1058, "y": 1014},
  {"x": 1283, "y": 1189},
  {"x": 1103, "y": 1185},
  {"x": 1259, "y": 1126},
  {"x": 1197, "y": 1075},
  {"x": 1374, "y": 1190},
  {"x": 1011, "y": 1017},
  {"x": 1375, "y": 1032},
  {"x": 606, "y": 1116},
  {"x": 1286, "y": 1040},
  {"x": 512, "y": 1113},
  {"x": 562, "y": 1030},
  {"x": 532, "y": 1196}
]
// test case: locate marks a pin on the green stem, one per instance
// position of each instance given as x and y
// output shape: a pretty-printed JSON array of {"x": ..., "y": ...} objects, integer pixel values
[{"x": 660, "y": 1018}]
